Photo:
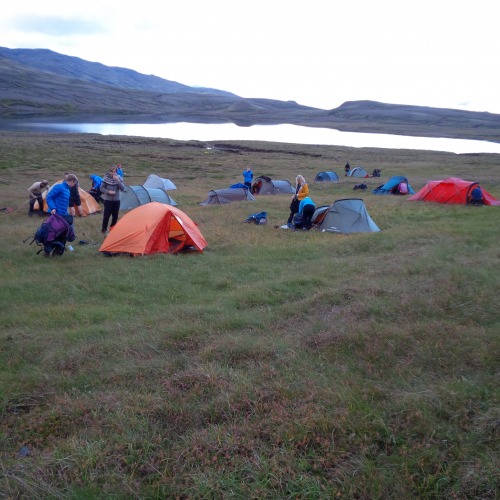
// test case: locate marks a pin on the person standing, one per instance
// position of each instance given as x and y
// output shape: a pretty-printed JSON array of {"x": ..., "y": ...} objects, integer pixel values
[
  {"x": 347, "y": 169},
  {"x": 248, "y": 177},
  {"x": 75, "y": 202},
  {"x": 306, "y": 209},
  {"x": 110, "y": 188},
  {"x": 301, "y": 191},
  {"x": 36, "y": 194},
  {"x": 58, "y": 197}
]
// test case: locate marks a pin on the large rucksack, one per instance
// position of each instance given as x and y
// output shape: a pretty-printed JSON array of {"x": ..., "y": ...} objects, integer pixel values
[{"x": 53, "y": 234}]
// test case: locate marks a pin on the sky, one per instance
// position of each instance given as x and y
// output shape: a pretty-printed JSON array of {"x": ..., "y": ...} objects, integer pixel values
[{"x": 319, "y": 53}]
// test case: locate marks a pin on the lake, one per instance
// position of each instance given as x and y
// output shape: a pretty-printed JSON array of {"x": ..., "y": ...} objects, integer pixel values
[{"x": 293, "y": 134}]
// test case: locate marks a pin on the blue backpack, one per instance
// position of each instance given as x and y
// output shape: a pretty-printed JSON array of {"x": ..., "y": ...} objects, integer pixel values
[{"x": 258, "y": 218}]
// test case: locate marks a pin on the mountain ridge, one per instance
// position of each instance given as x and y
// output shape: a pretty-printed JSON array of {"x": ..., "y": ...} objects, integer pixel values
[{"x": 42, "y": 84}]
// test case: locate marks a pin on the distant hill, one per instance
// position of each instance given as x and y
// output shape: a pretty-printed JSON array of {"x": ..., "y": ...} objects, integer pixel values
[{"x": 42, "y": 84}]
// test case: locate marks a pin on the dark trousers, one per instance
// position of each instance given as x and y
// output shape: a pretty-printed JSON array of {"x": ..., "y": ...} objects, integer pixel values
[
  {"x": 294, "y": 208},
  {"x": 40, "y": 203},
  {"x": 307, "y": 213},
  {"x": 111, "y": 209}
]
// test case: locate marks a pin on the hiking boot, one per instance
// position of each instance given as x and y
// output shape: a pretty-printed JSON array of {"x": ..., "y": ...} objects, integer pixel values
[{"x": 46, "y": 254}]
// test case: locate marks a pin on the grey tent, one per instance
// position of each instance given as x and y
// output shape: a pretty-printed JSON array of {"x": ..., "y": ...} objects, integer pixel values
[
  {"x": 157, "y": 182},
  {"x": 228, "y": 195},
  {"x": 358, "y": 172},
  {"x": 135, "y": 196},
  {"x": 347, "y": 216},
  {"x": 326, "y": 177},
  {"x": 265, "y": 185}
]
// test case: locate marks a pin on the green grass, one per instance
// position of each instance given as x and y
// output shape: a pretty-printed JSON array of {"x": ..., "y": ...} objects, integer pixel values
[{"x": 276, "y": 364}]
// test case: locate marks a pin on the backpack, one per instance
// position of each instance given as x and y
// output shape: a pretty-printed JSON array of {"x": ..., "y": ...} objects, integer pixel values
[
  {"x": 53, "y": 234},
  {"x": 258, "y": 218}
]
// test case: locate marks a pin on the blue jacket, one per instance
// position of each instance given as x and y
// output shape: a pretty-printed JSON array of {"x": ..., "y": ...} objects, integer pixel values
[
  {"x": 304, "y": 202},
  {"x": 248, "y": 176},
  {"x": 58, "y": 198},
  {"x": 96, "y": 181}
]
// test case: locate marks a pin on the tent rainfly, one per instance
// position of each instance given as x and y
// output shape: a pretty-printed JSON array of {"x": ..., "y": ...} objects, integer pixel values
[
  {"x": 346, "y": 216},
  {"x": 326, "y": 177},
  {"x": 135, "y": 196},
  {"x": 157, "y": 182},
  {"x": 228, "y": 195},
  {"x": 265, "y": 185},
  {"x": 391, "y": 186},
  {"x": 89, "y": 205},
  {"x": 451, "y": 191},
  {"x": 358, "y": 172},
  {"x": 153, "y": 228}
]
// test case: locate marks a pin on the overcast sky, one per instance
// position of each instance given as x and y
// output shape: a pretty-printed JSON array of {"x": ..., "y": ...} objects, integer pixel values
[{"x": 320, "y": 53}]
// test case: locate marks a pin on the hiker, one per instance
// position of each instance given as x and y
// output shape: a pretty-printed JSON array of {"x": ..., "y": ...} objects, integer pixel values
[
  {"x": 301, "y": 191},
  {"x": 119, "y": 171},
  {"x": 248, "y": 177},
  {"x": 476, "y": 196},
  {"x": 96, "y": 184},
  {"x": 110, "y": 188},
  {"x": 306, "y": 210},
  {"x": 347, "y": 169},
  {"x": 75, "y": 203},
  {"x": 36, "y": 194},
  {"x": 58, "y": 197}
]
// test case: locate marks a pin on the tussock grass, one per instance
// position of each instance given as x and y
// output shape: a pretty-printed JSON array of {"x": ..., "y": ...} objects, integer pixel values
[{"x": 276, "y": 364}]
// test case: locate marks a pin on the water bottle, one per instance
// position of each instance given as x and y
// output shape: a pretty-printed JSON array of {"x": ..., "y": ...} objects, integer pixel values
[{"x": 70, "y": 248}]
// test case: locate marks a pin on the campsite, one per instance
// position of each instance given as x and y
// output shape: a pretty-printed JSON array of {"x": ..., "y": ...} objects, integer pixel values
[{"x": 272, "y": 364}]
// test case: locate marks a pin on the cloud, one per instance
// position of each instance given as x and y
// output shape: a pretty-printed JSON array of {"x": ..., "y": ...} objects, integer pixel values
[{"x": 57, "y": 26}]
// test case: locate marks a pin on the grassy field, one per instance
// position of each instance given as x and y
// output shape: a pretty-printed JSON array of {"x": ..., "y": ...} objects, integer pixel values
[{"x": 277, "y": 364}]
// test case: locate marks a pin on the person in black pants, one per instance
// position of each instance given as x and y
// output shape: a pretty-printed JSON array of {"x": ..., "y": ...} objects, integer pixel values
[
  {"x": 75, "y": 202},
  {"x": 306, "y": 209},
  {"x": 110, "y": 188}
]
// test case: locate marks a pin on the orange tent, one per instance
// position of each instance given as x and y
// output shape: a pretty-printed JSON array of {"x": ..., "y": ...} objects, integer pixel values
[
  {"x": 153, "y": 228},
  {"x": 89, "y": 205}
]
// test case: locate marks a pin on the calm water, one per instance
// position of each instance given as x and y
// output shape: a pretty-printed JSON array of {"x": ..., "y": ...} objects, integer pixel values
[{"x": 273, "y": 133}]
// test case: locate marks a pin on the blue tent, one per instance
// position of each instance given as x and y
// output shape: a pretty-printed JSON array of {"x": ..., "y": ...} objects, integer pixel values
[
  {"x": 326, "y": 177},
  {"x": 391, "y": 186}
]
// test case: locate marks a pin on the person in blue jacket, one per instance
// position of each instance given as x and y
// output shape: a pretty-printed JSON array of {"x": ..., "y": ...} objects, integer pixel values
[
  {"x": 96, "y": 181},
  {"x": 306, "y": 209},
  {"x": 95, "y": 189},
  {"x": 58, "y": 197},
  {"x": 248, "y": 177}
]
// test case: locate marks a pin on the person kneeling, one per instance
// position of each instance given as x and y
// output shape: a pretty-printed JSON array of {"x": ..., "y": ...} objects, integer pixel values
[{"x": 306, "y": 210}]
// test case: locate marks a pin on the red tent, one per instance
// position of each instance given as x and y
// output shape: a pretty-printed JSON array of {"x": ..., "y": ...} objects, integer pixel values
[
  {"x": 451, "y": 190},
  {"x": 153, "y": 228}
]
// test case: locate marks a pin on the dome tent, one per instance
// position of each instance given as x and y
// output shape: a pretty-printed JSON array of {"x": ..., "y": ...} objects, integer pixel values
[
  {"x": 347, "y": 216},
  {"x": 155, "y": 181},
  {"x": 153, "y": 228},
  {"x": 358, "y": 172},
  {"x": 89, "y": 204},
  {"x": 135, "y": 196},
  {"x": 391, "y": 186},
  {"x": 326, "y": 177},
  {"x": 265, "y": 185},
  {"x": 228, "y": 195}
]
